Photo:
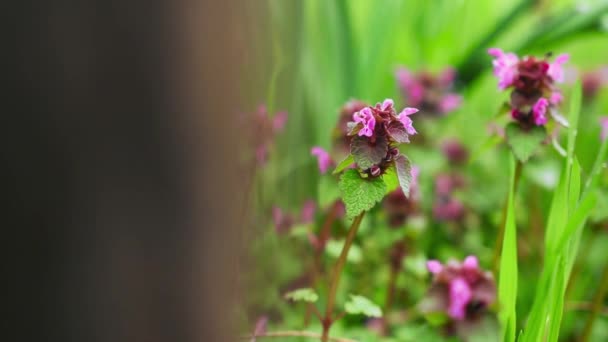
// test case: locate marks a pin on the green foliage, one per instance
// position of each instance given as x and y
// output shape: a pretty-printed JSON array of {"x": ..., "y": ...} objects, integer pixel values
[
  {"x": 360, "y": 194},
  {"x": 524, "y": 142},
  {"x": 346, "y": 162},
  {"x": 302, "y": 295},
  {"x": 390, "y": 179},
  {"x": 507, "y": 287},
  {"x": 328, "y": 191},
  {"x": 359, "y": 305}
]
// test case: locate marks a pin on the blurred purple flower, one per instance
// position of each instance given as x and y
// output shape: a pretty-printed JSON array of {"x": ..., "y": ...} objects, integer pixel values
[
  {"x": 462, "y": 290},
  {"x": 323, "y": 158},
  {"x": 539, "y": 110},
  {"x": 449, "y": 103},
  {"x": 279, "y": 121},
  {"x": 505, "y": 67},
  {"x": 556, "y": 70},
  {"x": 282, "y": 221},
  {"x": 454, "y": 151},
  {"x": 307, "y": 214},
  {"x": 429, "y": 92}
]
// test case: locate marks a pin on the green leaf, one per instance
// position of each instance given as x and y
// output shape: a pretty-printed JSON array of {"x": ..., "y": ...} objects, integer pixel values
[
  {"x": 507, "y": 285},
  {"x": 390, "y": 179},
  {"x": 523, "y": 142},
  {"x": 346, "y": 162},
  {"x": 360, "y": 194},
  {"x": 404, "y": 173},
  {"x": 397, "y": 131},
  {"x": 360, "y": 305},
  {"x": 302, "y": 295},
  {"x": 328, "y": 191},
  {"x": 366, "y": 153}
]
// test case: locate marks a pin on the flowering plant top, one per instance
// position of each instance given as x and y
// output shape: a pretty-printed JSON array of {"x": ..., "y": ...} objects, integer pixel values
[{"x": 376, "y": 133}]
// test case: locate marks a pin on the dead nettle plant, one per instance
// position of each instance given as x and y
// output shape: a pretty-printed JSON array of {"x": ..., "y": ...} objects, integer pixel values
[{"x": 373, "y": 168}]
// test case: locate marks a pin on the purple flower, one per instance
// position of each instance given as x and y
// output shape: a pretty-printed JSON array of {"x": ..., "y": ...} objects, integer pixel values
[
  {"x": 556, "y": 71},
  {"x": 365, "y": 117},
  {"x": 411, "y": 86},
  {"x": 308, "y": 212},
  {"x": 282, "y": 221},
  {"x": 539, "y": 110},
  {"x": 449, "y": 103},
  {"x": 460, "y": 295},
  {"x": 387, "y": 105},
  {"x": 446, "y": 78},
  {"x": 505, "y": 67},
  {"x": 279, "y": 120},
  {"x": 404, "y": 117},
  {"x": 604, "y": 124},
  {"x": 323, "y": 158},
  {"x": 556, "y": 98},
  {"x": 462, "y": 290}
]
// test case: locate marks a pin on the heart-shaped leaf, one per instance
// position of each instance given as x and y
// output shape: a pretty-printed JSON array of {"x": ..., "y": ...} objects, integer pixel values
[
  {"x": 397, "y": 131},
  {"x": 367, "y": 153},
  {"x": 524, "y": 142},
  {"x": 404, "y": 173},
  {"x": 360, "y": 194},
  {"x": 359, "y": 305}
]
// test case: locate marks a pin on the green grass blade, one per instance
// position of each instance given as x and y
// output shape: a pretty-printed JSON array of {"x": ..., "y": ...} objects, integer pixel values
[{"x": 507, "y": 286}]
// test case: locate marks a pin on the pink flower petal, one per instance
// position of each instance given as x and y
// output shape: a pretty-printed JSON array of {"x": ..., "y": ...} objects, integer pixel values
[
  {"x": 460, "y": 295},
  {"x": 323, "y": 158},
  {"x": 556, "y": 71},
  {"x": 539, "y": 110},
  {"x": 556, "y": 98},
  {"x": 434, "y": 266},
  {"x": 471, "y": 263},
  {"x": 449, "y": 103},
  {"x": 279, "y": 120},
  {"x": 387, "y": 105}
]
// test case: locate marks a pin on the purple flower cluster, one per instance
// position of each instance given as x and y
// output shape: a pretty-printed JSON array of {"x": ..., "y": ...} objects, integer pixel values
[
  {"x": 533, "y": 81},
  {"x": 266, "y": 128},
  {"x": 431, "y": 93},
  {"x": 462, "y": 290},
  {"x": 398, "y": 207},
  {"x": 376, "y": 131}
]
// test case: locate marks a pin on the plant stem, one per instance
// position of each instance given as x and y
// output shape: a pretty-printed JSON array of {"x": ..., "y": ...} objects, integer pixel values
[
  {"x": 294, "y": 333},
  {"x": 337, "y": 272},
  {"x": 501, "y": 232},
  {"x": 597, "y": 305}
]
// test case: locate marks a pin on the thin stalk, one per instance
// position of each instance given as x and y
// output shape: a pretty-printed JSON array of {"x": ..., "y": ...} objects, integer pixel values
[
  {"x": 333, "y": 289},
  {"x": 501, "y": 232},
  {"x": 597, "y": 305},
  {"x": 294, "y": 333}
]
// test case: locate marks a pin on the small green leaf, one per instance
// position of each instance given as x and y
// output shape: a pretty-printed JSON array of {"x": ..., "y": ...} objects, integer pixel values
[
  {"x": 404, "y": 173},
  {"x": 328, "y": 191},
  {"x": 360, "y": 305},
  {"x": 367, "y": 153},
  {"x": 390, "y": 179},
  {"x": 523, "y": 142},
  {"x": 302, "y": 295},
  {"x": 346, "y": 162},
  {"x": 360, "y": 194}
]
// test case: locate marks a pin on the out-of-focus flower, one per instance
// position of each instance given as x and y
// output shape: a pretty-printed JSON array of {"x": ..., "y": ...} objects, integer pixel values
[
  {"x": 556, "y": 70},
  {"x": 538, "y": 110},
  {"x": 505, "y": 67},
  {"x": 593, "y": 81},
  {"x": 265, "y": 130},
  {"x": 431, "y": 93},
  {"x": 398, "y": 207},
  {"x": 446, "y": 206},
  {"x": 462, "y": 290},
  {"x": 282, "y": 221},
  {"x": 260, "y": 326},
  {"x": 604, "y": 125},
  {"x": 455, "y": 152},
  {"x": 323, "y": 158},
  {"x": 307, "y": 214},
  {"x": 533, "y": 82}
]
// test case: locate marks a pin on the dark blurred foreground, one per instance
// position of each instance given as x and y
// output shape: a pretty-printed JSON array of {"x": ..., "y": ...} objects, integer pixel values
[{"x": 120, "y": 186}]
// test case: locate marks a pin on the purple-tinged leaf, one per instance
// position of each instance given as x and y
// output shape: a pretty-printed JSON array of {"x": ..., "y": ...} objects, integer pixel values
[
  {"x": 352, "y": 128},
  {"x": 367, "y": 153},
  {"x": 397, "y": 131},
  {"x": 404, "y": 173}
]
